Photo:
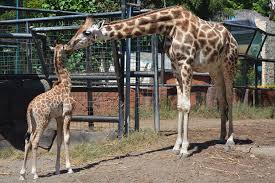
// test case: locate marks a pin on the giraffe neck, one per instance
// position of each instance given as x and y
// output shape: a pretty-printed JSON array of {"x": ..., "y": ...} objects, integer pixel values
[
  {"x": 65, "y": 78},
  {"x": 58, "y": 62},
  {"x": 155, "y": 22},
  {"x": 61, "y": 72}
]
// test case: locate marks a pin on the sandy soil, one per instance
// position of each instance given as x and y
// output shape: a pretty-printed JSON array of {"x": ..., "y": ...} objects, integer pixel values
[{"x": 208, "y": 163}]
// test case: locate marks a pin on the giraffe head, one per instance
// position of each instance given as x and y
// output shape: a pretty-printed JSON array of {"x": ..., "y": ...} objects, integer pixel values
[
  {"x": 86, "y": 34},
  {"x": 272, "y": 9},
  {"x": 60, "y": 51}
]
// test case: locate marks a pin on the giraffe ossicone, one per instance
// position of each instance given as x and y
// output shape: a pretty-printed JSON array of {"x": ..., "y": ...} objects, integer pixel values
[{"x": 192, "y": 44}]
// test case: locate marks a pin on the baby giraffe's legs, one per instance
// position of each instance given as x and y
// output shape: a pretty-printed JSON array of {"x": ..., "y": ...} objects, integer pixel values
[
  {"x": 36, "y": 138},
  {"x": 27, "y": 149},
  {"x": 59, "y": 140},
  {"x": 66, "y": 131}
]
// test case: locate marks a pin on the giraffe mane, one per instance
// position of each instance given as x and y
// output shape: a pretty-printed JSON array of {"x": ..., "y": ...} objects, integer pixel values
[{"x": 144, "y": 14}]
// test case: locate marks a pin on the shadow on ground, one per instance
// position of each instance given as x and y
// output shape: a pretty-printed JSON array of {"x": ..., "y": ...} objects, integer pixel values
[{"x": 194, "y": 149}]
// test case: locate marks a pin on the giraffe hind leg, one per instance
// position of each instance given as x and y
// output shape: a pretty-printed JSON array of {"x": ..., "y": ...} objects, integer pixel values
[
  {"x": 27, "y": 149},
  {"x": 59, "y": 140},
  {"x": 228, "y": 80},
  {"x": 217, "y": 78}
]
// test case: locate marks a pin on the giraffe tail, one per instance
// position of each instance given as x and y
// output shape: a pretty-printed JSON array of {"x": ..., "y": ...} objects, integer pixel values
[{"x": 29, "y": 122}]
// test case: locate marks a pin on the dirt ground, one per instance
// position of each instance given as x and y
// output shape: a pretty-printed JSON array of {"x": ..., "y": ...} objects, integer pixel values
[{"x": 208, "y": 163}]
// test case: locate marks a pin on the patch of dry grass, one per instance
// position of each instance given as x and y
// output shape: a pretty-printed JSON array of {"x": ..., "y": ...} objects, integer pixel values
[
  {"x": 136, "y": 141},
  {"x": 12, "y": 153},
  {"x": 240, "y": 111}
]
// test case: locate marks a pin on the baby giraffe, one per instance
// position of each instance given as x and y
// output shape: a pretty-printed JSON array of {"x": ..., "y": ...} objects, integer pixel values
[{"x": 56, "y": 103}]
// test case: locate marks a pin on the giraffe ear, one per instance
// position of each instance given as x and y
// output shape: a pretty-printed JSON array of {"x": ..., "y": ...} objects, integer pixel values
[
  {"x": 51, "y": 48},
  {"x": 88, "y": 20},
  {"x": 101, "y": 24}
]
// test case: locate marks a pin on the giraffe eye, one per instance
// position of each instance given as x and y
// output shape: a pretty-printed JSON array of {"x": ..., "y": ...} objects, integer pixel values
[{"x": 87, "y": 33}]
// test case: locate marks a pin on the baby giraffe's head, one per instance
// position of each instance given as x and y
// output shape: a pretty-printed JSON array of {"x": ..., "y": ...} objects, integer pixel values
[{"x": 60, "y": 51}]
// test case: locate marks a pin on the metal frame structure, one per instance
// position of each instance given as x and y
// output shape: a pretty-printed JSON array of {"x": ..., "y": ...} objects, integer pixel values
[{"x": 38, "y": 34}]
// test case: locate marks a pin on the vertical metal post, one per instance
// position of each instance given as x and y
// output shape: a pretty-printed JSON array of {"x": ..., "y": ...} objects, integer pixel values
[
  {"x": 40, "y": 54},
  {"x": 89, "y": 93},
  {"x": 29, "y": 50},
  {"x": 128, "y": 84},
  {"x": 162, "y": 66},
  {"x": 256, "y": 97},
  {"x": 17, "y": 48},
  {"x": 119, "y": 73},
  {"x": 122, "y": 65},
  {"x": 137, "y": 102},
  {"x": 156, "y": 88}
]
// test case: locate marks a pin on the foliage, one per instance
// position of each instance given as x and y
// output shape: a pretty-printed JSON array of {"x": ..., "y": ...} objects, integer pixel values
[
  {"x": 88, "y": 6},
  {"x": 75, "y": 61},
  {"x": 242, "y": 77}
]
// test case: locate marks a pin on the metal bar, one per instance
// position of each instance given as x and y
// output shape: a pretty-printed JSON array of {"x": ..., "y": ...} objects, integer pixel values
[
  {"x": 89, "y": 84},
  {"x": 259, "y": 60},
  {"x": 67, "y": 17},
  {"x": 120, "y": 90},
  {"x": 156, "y": 87},
  {"x": 39, "y": 10},
  {"x": 128, "y": 86},
  {"x": 137, "y": 102},
  {"x": 58, "y": 28},
  {"x": 29, "y": 50},
  {"x": 256, "y": 85},
  {"x": 90, "y": 77},
  {"x": 246, "y": 52},
  {"x": 40, "y": 55},
  {"x": 81, "y": 77},
  {"x": 240, "y": 26},
  {"x": 137, "y": 84},
  {"x": 94, "y": 89},
  {"x": 15, "y": 35},
  {"x": 261, "y": 46},
  {"x": 110, "y": 119},
  {"x": 162, "y": 65}
]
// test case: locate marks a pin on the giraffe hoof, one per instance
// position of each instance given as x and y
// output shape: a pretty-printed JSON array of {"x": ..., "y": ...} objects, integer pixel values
[
  {"x": 35, "y": 177},
  {"x": 229, "y": 146},
  {"x": 176, "y": 152},
  {"x": 70, "y": 171},
  {"x": 22, "y": 177},
  {"x": 57, "y": 172},
  {"x": 184, "y": 155}
]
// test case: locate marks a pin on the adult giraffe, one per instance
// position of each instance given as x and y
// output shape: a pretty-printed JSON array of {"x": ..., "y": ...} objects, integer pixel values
[{"x": 192, "y": 45}]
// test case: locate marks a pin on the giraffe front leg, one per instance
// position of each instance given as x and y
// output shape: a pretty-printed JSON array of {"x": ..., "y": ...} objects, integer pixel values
[
  {"x": 185, "y": 144},
  {"x": 178, "y": 143},
  {"x": 59, "y": 140},
  {"x": 66, "y": 131},
  {"x": 184, "y": 104}
]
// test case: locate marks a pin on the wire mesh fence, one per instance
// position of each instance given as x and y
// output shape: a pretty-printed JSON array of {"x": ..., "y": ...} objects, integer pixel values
[{"x": 23, "y": 58}]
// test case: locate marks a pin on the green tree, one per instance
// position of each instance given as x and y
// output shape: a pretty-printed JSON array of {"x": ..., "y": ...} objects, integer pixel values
[{"x": 87, "y": 6}]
